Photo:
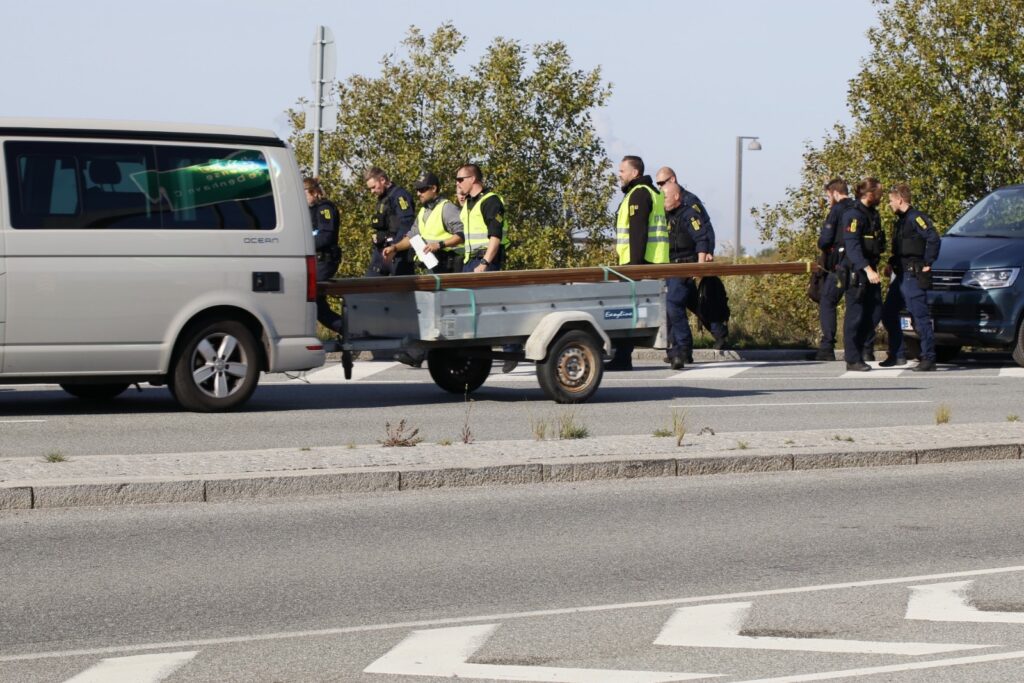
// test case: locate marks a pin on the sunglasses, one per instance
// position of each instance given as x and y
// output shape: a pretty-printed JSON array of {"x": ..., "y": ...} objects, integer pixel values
[
  {"x": 424, "y": 189},
  {"x": 661, "y": 183},
  {"x": 459, "y": 179}
]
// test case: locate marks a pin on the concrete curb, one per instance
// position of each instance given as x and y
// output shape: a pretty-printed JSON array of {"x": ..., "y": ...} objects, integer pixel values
[{"x": 199, "y": 489}]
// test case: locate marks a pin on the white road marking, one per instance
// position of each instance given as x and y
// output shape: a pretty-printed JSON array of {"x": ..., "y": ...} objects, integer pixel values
[
  {"x": 722, "y": 370},
  {"x": 136, "y": 669},
  {"x": 892, "y": 668},
  {"x": 948, "y": 602},
  {"x": 18, "y": 422},
  {"x": 335, "y": 374},
  {"x": 719, "y": 625},
  {"x": 450, "y": 621},
  {"x": 1014, "y": 371},
  {"x": 782, "y": 405},
  {"x": 444, "y": 653}
]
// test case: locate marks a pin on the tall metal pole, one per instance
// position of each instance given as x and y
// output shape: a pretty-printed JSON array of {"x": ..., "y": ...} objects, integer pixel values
[
  {"x": 318, "y": 106},
  {"x": 739, "y": 194}
]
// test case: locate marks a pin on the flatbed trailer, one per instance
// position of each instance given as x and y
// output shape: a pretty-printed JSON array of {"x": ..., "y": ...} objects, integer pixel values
[{"x": 566, "y": 321}]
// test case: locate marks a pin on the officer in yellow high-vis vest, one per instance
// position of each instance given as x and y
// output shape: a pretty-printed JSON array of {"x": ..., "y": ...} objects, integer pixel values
[
  {"x": 483, "y": 219},
  {"x": 439, "y": 224},
  {"x": 641, "y": 234}
]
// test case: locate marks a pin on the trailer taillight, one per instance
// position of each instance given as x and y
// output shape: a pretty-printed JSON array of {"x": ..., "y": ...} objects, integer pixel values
[{"x": 310, "y": 278}]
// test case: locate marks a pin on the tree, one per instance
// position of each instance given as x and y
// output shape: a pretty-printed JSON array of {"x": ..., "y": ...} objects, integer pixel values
[
  {"x": 935, "y": 104},
  {"x": 524, "y": 115}
]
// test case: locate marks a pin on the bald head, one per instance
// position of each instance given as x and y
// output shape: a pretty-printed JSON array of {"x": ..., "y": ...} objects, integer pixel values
[
  {"x": 673, "y": 195},
  {"x": 665, "y": 175}
]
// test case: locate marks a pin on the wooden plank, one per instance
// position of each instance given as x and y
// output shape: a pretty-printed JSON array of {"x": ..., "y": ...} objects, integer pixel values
[{"x": 553, "y": 276}]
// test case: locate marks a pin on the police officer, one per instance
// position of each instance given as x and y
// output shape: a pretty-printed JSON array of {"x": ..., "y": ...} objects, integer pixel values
[
  {"x": 483, "y": 222},
  {"x": 877, "y": 229},
  {"x": 641, "y": 233},
  {"x": 857, "y": 273},
  {"x": 328, "y": 254},
  {"x": 695, "y": 214},
  {"x": 688, "y": 243},
  {"x": 915, "y": 246},
  {"x": 486, "y": 233},
  {"x": 830, "y": 242},
  {"x": 391, "y": 221},
  {"x": 439, "y": 224}
]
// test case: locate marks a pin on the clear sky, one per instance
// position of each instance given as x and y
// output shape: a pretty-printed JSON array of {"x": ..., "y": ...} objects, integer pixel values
[{"x": 688, "y": 76}]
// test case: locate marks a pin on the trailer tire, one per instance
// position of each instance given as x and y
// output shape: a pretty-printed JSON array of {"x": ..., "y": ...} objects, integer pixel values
[
  {"x": 573, "y": 368},
  {"x": 459, "y": 372}
]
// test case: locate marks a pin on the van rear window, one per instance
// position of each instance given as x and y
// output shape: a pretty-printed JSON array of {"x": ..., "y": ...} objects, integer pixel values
[{"x": 73, "y": 185}]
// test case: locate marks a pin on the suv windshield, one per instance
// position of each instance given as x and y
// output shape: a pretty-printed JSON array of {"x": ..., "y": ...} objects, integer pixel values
[{"x": 1000, "y": 214}]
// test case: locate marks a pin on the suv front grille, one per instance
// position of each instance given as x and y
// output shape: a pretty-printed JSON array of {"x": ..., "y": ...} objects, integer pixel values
[{"x": 945, "y": 280}]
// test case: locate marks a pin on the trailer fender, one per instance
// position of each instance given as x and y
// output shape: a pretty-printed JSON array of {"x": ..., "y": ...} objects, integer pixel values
[{"x": 553, "y": 323}]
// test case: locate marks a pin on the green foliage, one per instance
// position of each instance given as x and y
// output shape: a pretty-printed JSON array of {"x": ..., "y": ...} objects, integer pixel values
[
  {"x": 523, "y": 114},
  {"x": 935, "y": 104}
]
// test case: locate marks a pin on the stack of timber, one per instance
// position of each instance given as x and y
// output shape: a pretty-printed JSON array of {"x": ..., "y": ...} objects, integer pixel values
[{"x": 553, "y": 276}]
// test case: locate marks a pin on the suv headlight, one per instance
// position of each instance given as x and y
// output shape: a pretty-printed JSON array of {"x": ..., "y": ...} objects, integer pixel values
[{"x": 996, "y": 278}]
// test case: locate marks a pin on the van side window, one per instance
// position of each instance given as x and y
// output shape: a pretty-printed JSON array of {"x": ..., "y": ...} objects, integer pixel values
[
  {"x": 68, "y": 185},
  {"x": 83, "y": 185},
  {"x": 215, "y": 188}
]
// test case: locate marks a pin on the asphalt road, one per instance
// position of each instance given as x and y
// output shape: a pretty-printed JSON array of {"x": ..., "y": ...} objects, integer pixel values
[
  {"x": 642, "y": 575},
  {"x": 322, "y": 409}
]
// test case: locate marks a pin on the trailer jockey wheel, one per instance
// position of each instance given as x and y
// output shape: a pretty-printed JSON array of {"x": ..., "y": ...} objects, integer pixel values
[
  {"x": 459, "y": 370},
  {"x": 573, "y": 369}
]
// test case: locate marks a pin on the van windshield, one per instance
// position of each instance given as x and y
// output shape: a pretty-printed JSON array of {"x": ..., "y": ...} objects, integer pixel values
[{"x": 1000, "y": 214}]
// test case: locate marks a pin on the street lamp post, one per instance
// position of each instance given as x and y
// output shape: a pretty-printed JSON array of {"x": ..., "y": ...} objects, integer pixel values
[{"x": 754, "y": 146}]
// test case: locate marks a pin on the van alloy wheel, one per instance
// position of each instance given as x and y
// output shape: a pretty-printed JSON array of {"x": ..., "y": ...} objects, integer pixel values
[{"x": 217, "y": 368}]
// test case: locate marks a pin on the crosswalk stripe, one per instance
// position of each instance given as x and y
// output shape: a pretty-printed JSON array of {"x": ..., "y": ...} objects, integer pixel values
[
  {"x": 1014, "y": 371},
  {"x": 722, "y": 370},
  {"x": 335, "y": 374},
  {"x": 135, "y": 669}
]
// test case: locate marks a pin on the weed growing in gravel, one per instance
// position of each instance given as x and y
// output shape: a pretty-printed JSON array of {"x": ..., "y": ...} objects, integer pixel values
[
  {"x": 540, "y": 427},
  {"x": 679, "y": 426},
  {"x": 444, "y": 442},
  {"x": 55, "y": 456},
  {"x": 837, "y": 437},
  {"x": 569, "y": 426},
  {"x": 1012, "y": 417},
  {"x": 305, "y": 448},
  {"x": 397, "y": 436},
  {"x": 662, "y": 432},
  {"x": 742, "y": 445},
  {"x": 943, "y": 413},
  {"x": 467, "y": 433}
]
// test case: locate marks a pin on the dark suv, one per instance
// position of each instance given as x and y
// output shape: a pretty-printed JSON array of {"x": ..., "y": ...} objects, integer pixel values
[{"x": 977, "y": 296}]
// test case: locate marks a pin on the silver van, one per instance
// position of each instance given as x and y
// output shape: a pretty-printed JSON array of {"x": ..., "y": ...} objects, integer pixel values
[{"x": 138, "y": 252}]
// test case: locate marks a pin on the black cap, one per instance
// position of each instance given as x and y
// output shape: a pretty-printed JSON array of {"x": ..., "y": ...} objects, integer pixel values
[{"x": 426, "y": 179}]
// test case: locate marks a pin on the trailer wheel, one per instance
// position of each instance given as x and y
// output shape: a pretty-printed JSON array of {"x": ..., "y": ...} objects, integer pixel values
[
  {"x": 459, "y": 371},
  {"x": 218, "y": 367},
  {"x": 573, "y": 369}
]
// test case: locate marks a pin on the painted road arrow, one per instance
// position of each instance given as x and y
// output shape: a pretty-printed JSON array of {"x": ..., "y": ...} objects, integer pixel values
[
  {"x": 444, "y": 652},
  {"x": 948, "y": 602},
  {"x": 136, "y": 669},
  {"x": 719, "y": 625}
]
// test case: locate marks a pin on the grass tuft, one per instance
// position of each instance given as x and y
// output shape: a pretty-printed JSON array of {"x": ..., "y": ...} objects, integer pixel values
[
  {"x": 569, "y": 426},
  {"x": 943, "y": 413},
  {"x": 55, "y": 456},
  {"x": 679, "y": 426},
  {"x": 397, "y": 436},
  {"x": 1013, "y": 418}
]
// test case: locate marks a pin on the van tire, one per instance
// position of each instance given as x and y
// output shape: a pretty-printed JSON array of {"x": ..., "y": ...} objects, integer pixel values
[
  {"x": 217, "y": 368},
  {"x": 573, "y": 368},
  {"x": 96, "y": 392},
  {"x": 1018, "y": 346},
  {"x": 459, "y": 371}
]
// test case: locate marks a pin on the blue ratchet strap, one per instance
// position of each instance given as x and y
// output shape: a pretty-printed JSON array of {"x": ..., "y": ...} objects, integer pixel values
[{"x": 632, "y": 286}]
